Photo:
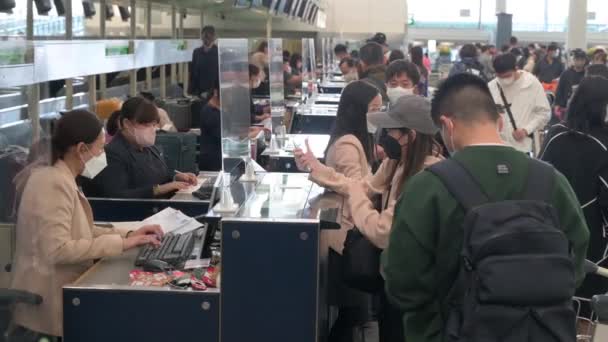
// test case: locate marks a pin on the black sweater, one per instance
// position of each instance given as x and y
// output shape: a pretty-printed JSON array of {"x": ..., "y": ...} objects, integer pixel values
[
  {"x": 569, "y": 79},
  {"x": 131, "y": 172}
]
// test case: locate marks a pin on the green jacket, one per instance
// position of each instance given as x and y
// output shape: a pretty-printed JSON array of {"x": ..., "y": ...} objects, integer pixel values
[{"x": 420, "y": 264}]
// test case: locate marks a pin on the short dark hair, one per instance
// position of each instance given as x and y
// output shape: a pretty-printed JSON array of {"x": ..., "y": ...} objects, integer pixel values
[
  {"x": 72, "y": 128},
  {"x": 340, "y": 48},
  {"x": 468, "y": 51},
  {"x": 513, "y": 40},
  {"x": 286, "y": 56},
  {"x": 505, "y": 63},
  {"x": 371, "y": 54},
  {"x": 396, "y": 55},
  {"x": 400, "y": 67},
  {"x": 600, "y": 70},
  {"x": 263, "y": 46},
  {"x": 587, "y": 110},
  {"x": 505, "y": 48},
  {"x": 349, "y": 61},
  {"x": 553, "y": 47},
  {"x": 139, "y": 110},
  {"x": 531, "y": 46},
  {"x": 465, "y": 97},
  {"x": 208, "y": 29}
]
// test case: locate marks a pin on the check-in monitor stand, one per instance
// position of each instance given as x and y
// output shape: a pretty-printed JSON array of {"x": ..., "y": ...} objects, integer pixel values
[
  {"x": 277, "y": 90},
  {"x": 235, "y": 114}
]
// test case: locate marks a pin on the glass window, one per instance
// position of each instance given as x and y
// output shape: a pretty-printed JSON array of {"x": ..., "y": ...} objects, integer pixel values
[
  {"x": 460, "y": 14},
  {"x": 599, "y": 23}
]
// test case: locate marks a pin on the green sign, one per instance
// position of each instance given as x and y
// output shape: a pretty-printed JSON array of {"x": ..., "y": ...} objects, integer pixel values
[
  {"x": 11, "y": 54},
  {"x": 180, "y": 45},
  {"x": 122, "y": 49}
]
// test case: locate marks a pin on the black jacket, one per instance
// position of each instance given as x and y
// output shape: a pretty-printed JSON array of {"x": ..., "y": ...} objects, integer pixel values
[
  {"x": 583, "y": 159},
  {"x": 204, "y": 71},
  {"x": 210, "y": 158},
  {"x": 569, "y": 79},
  {"x": 131, "y": 173}
]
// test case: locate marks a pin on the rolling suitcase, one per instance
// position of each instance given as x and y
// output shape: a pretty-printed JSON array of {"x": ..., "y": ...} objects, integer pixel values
[
  {"x": 180, "y": 113},
  {"x": 178, "y": 151}
]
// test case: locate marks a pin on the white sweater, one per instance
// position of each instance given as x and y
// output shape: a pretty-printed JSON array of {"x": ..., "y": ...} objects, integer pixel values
[{"x": 529, "y": 106}]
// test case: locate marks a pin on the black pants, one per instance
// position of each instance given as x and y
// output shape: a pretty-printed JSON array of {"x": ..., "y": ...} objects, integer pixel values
[
  {"x": 390, "y": 320},
  {"x": 354, "y": 325}
]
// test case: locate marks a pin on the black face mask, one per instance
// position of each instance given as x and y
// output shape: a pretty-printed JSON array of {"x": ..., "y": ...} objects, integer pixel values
[{"x": 391, "y": 147}]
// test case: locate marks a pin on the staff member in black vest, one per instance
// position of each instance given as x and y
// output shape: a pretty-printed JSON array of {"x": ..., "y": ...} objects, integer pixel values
[
  {"x": 205, "y": 64},
  {"x": 136, "y": 168}
]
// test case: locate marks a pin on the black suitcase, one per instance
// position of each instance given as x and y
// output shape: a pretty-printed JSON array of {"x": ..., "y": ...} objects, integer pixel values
[
  {"x": 179, "y": 151},
  {"x": 180, "y": 113}
]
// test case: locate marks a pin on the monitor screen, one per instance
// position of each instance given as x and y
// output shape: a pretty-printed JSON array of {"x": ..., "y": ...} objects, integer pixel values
[
  {"x": 303, "y": 5},
  {"x": 292, "y": 8},
  {"x": 262, "y": 3},
  {"x": 242, "y": 3},
  {"x": 286, "y": 6},
  {"x": 312, "y": 13}
]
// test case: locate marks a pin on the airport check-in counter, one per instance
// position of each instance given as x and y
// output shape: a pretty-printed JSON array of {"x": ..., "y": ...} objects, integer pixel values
[
  {"x": 282, "y": 159},
  {"x": 133, "y": 209},
  {"x": 273, "y": 281},
  {"x": 317, "y": 116}
]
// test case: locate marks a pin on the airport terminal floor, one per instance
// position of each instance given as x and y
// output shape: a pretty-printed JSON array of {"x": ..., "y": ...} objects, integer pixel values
[{"x": 303, "y": 171}]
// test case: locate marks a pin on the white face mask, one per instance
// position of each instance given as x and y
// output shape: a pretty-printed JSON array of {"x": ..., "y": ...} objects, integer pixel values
[
  {"x": 145, "y": 137},
  {"x": 94, "y": 166},
  {"x": 506, "y": 82},
  {"x": 371, "y": 129},
  {"x": 394, "y": 94}
]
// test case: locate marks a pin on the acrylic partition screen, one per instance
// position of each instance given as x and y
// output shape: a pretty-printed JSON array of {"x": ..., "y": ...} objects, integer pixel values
[
  {"x": 329, "y": 63},
  {"x": 277, "y": 82},
  {"x": 234, "y": 100},
  {"x": 309, "y": 71}
]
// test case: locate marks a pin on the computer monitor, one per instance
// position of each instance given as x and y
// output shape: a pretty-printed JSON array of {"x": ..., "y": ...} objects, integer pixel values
[
  {"x": 295, "y": 7},
  {"x": 242, "y": 3},
  {"x": 312, "y": 14},
  {"x": 287, "y": 6},
  {"x": 307, "y": 11},
  {"x": 315, "y": 15},
  {"x": 302, "y": 9},
  {"x": 60, "y": 7},
  {"x": 43, "y": 6},
  {"x": 262, "y": 4}
]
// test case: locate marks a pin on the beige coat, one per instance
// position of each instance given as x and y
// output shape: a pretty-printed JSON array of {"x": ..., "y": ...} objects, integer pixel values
[
  {"x": 56, "y": 243},
  {"x": 347, "y": 157},
  {"x": 374, "y": 225}
]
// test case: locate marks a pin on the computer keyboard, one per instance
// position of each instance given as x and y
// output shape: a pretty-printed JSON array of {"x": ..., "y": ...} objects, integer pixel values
[
  {"x": 175, "y": 249},
  {"x": 205, "y": 192}
]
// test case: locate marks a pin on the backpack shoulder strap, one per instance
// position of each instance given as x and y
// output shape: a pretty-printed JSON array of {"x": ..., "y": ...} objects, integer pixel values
[
  {"x": 460, "y": 183},
  {"x": 541, "y": 177}
]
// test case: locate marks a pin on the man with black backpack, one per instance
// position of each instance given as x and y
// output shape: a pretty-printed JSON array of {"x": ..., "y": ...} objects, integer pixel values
[{"x": 488, "y": 245}]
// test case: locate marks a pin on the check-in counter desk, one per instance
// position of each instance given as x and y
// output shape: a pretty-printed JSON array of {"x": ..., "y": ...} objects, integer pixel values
[
  {"x": 332, "y": 86},
  {"x": 283, "y": 160},
  {"x": 134, "y": 209},
  {"x": 273, "y": 280},
  {"x": 314, "y": 119}
]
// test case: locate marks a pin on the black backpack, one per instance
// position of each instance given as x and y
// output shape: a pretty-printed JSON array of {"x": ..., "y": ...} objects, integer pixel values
[{"x": 516, "y": 280}]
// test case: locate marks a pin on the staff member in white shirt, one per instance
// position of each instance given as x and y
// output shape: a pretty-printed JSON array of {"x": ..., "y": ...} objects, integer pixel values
[{"x": 525, "y": 97}]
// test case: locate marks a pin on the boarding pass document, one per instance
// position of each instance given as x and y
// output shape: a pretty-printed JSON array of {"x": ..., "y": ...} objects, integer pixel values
[
  {"x": 193, "y": 188},
  {"x": 173, "y": 221}
]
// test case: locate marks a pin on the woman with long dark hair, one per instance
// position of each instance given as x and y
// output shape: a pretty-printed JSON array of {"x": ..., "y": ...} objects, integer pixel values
[
  {"x": 350, "y": 153},
  {"x": 57, "y": 240},
  {"x": 410, "y": 147},
  {"x": 578, "y": 148}
]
